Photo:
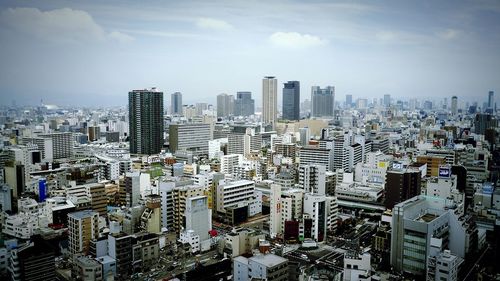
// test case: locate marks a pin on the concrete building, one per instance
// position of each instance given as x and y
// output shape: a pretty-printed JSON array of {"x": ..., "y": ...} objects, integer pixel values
[
  {"x": 83, "y": 226},
  {"x": 401, "y": 185},
  {"x": 62, "y": 144},
  {"x": 313, "y": 155},
  {"x": 180, "y": 195},
  {"x": 230, "y": 194},
  {"x": 198, "y": 217},
  {"x": 32, "y": 261},
  {"x": 418, "y": 224},
  {"x": 260, "y": 267},
  {"x": 225, "y": 105},
  {"x": 312, "y": 178},
  {"x": 270, "y": 100},
  {"x": 190, "y": 137},
  {"x": 245, "y": 144},
  {"x": 315, "y": 208},
  {"x": 145, "y": 109},
  {"x": 229, "y": 163},
  {"x": 357, "y": 267},
  {"x": 86, "y": 269}
]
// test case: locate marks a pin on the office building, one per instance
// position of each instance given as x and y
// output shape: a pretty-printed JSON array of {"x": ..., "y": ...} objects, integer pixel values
[
  {"x": 348, "y": 101},
  {"x": 291, "y": 100},
  {"x": 229, "y": 163},
  {"x": 198, "y": 217},
  {"x": 315, "y": 210},
  {"x": 120, "y": 249},
  {"x": 269, "y": 100},
  {"x": 491, "y": 99},
  {"x": 313, "y": 155},
  {"x": 482, "y": 122},
  {"x": 132, "y": 188},
  {"x": 83, "y": 226},
  {"x": 180, "y": 194},
  {"x": 244, "y": 105},
  {"x": 225, "y": 104},
  {"x": 421, "y": 224},
  {"x": 454, "y": 105},
  {"x": 62, "y": 144},
  {"x": 86, "y": 268},
  {"x": 322, "y": 101},
  {"x": 401, "y": 185},
  {"x": 145, "y": 108},
  {"x": 246, "y": 143},
  {"x": 260, "y": 267},
  {"x": 312, "y": 178},
  {"x": 387, "y": 100},
  {"x": 189, "y": 137},
  {"x": 34, "y": 261},
  {"x": 176, "y": 103},
  {"x": 230, "y": 194}
]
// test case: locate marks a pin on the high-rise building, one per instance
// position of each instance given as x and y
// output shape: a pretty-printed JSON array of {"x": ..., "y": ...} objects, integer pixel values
[
  {"x": 198, "y": 216},
  {"x": 312, "y": 178},
  {"x": 83, "y": 226},
  {"x": 225, "y": 104},
  {"x": 176, "y": 103},
  {"x": 312, "y": 155},
  {"x": 322, "y": 101},
  {"x": 189, "y": 137},
  {"x": 62, "y": 144},
  {"x": 491, "y": 99},
  {"x": 145, "y": 108},
  {"x": 291, "y": 100},
  {"x": 401, "y": 185},
  {"x": 269, "y": 100},
  {"x": 387, "y": 100},
  {"x": 33, "y": 261},
  {"x": 482, "y": 122},
  {"x": 422, "y": 223},
  {"x": 180, "y": 194},
  {"x": 348, "y": 101},
  {"x": 454, "y": 105},
  {"x": 244, "y": 105},
  {"x": 315, "y": 208}
]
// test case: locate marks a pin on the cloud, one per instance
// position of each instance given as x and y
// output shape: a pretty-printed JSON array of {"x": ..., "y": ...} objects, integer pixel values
[
  {"x": 214, "y": 24},
  {"x": 448, "y": 34},
  {"x": 295, "y": 40},
  {"x": 67, "y": 25},
  {"x": 121, "y": 37}
]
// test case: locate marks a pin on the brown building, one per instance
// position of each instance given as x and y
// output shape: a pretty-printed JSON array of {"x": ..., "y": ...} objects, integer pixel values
[
  {"x": 433, "y": 163},
  {"x": 401, "y": 185}
]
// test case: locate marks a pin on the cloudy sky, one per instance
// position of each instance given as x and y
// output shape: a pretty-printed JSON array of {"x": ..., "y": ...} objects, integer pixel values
[{"x": 94, "y": 52}]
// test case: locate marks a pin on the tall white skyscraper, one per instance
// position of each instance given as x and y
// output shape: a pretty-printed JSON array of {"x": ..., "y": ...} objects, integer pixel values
[{"x": 269, "y": 100}]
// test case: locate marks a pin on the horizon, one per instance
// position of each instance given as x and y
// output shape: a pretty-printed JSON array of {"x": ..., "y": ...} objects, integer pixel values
[{"x": 92, "y": 53}]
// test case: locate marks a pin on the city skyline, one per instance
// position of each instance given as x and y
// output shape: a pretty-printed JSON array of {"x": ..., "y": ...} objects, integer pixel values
[{"x": 81, "y": 53}]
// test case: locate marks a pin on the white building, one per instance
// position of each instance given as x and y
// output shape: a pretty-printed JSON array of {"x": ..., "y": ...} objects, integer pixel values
[
  {"x": 229, "y": 162},
  {"x": 315, "y": 208},
  {"x": 231, "y": 193},
  {"x": 357, "y": 267},
  {"x": 268, "y": 267},
  {"x": 312, "y": 178}
]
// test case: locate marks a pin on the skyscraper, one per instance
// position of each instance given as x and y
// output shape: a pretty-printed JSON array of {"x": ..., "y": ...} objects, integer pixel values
[
  {"x": 244, "y": 105},
  {"x": 291, "y": 100},
  {"x": 491, "y": 99},
  {"x": 176, "y": 103},
  {"x": 145, "y": 109},
  {"x": 387, "y": 100},
  {"x": 322, "y": 101},
  {"x": 348, "y": 101},
  {"x": 454, "y": 105},
  {"x": 269, "y": 100},
  {"x": 225, "y": 105}
]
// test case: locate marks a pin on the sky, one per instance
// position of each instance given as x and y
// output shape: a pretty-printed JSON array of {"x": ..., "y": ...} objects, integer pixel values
[{"x": 93, "y": 53}]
